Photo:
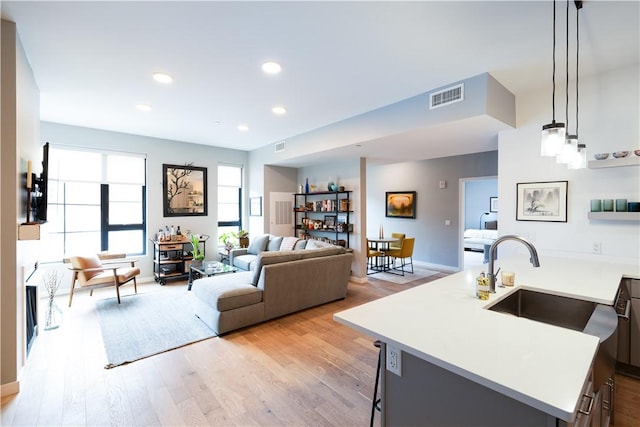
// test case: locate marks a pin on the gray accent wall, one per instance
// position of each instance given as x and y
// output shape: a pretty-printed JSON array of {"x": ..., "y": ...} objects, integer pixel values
[{"x": 436, "y": 243}]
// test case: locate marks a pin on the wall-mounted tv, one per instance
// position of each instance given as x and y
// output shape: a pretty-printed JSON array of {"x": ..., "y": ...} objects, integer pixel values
[{"x": 39, "y": 191}]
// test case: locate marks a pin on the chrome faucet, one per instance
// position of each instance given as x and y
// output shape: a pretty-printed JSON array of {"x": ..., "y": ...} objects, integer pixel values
[{"x": 492, "y": 254}]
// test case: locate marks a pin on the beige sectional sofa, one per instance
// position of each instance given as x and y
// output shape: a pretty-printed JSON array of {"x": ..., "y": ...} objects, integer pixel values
[{"x": 280, "y": 283}]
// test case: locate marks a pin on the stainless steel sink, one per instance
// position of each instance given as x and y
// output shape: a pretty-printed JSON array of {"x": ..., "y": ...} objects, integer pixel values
[
  {"x": 555, "y": 310},
  {"x": 584, "y": 316}
]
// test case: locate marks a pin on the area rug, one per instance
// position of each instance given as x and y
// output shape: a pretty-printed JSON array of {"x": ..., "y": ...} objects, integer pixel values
[
  {"x": 146, "y": 324},
  {"x": 418, "y": 273}
]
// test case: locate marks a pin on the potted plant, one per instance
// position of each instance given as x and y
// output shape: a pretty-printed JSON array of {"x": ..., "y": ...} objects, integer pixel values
[
  {"x": 228, "y": 240},
  {"x": 198, "y": 256},
  {"x": 243, "y": 238}
]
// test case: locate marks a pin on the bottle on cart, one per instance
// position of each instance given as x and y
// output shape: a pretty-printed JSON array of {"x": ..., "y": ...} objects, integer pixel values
[
  {"x": 179, "y": 233},
  {"x": 160, "y": 235},
  {"x": 173, "y": 233}
]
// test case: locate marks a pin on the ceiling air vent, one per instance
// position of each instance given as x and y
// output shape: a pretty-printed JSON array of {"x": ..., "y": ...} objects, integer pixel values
[
  {"x": 278, "y": 147},
  {"x": 446, "y": 96}
]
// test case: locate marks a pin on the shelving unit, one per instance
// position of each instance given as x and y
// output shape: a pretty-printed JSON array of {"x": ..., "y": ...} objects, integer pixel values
[
  {"x": 630, "y": 160},
  {"x": 171, "y": 259},
  {"x": 324, "y": 215},
  {"x": 615, "y": 216}
]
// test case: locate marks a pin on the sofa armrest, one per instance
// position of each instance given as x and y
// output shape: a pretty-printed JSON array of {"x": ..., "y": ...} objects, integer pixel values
[{"x": 236, "y": 252}]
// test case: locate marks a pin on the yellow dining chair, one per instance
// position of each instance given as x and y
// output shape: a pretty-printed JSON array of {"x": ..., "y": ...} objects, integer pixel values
[
  {"x": 404, "y": 253},
  {"x": 372, "y": 258},
  {"x": 396, "y": 245}
]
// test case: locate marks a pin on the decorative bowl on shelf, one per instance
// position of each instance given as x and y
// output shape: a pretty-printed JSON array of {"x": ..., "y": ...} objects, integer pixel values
[
  {"x": 636, "y": 152},
  {"x": 620, "y": 154},
  {"x": 601, "y": 156}
]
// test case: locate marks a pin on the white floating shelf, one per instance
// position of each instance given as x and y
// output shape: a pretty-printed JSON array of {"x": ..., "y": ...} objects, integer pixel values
[
  {"x": 615, "y": 216},
  {"x": 630, "y": 160}
]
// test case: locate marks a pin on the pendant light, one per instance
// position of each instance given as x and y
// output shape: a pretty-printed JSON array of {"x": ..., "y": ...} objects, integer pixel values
[
  {"x": 570, "y": 146},
  {"x": 552, "y": 133},
  {"x": 579, "y": 160}
]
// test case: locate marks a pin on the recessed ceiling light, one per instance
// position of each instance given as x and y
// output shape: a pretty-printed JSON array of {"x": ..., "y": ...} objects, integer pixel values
[
  {"x": 143, "y": 107},
  {"x": 271, "y": 67},
  {"x": 163, "y": 78},
  {"x": 243, "y": 128},
  {"x": 279, "y": 110}
]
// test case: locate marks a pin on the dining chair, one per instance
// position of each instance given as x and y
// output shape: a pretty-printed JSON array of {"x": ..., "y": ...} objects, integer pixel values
[
  {"x": 372, "y": 258},
  {"x": 404, "y": 253},
  {"x": 398, "y": 244},
  {"x": 91, "y": 272}
]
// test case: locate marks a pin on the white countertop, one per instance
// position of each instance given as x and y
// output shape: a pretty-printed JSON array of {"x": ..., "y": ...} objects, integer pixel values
[{"x": 443, "y": 323}]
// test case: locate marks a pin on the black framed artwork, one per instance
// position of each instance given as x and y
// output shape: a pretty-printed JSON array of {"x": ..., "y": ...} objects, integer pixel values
[
  {"x": 493, "y": 204},
  {"x": 542, "y": 201},
  {"x": 400, "y": 204},
  {"x": 185, "y": 190}
]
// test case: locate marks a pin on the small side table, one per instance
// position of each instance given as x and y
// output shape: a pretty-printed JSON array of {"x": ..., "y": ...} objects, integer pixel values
[{"x": 206, "y": 270}]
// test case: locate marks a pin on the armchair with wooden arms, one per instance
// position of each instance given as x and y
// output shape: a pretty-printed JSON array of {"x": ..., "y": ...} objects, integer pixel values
[{"x": 91, "y": 272}]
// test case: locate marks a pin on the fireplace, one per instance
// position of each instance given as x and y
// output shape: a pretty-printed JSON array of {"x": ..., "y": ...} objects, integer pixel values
[{"x": 31, "y": 315}]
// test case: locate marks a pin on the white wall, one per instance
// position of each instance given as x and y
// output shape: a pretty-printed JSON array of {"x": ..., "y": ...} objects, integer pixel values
[
  {"x": 159, "y": 152},
  {"x": 609, "y": 112},
  {"x": 20, "y": 115}
]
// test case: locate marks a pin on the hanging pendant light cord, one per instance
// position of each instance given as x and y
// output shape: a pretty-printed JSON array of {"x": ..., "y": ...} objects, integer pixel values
[
  {"x": 578, "y": 7},
  {"x": 566, "y": 91},
  {"x": 553, "y": 78}
]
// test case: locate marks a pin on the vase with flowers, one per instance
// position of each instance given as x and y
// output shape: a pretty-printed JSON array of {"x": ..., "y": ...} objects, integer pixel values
[{"x": 51, "y": 282}]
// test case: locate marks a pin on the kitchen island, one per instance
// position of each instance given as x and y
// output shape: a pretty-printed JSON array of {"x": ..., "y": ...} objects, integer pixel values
[{"x": 462, "y": 364}]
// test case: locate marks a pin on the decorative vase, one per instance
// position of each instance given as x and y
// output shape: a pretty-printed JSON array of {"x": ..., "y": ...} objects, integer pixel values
[
  {"x": 196, "y": 262},
  {"x": 53, "y": 316},
  {"x": 306, "y": 185},
  {"x": 381, "y": 232}
]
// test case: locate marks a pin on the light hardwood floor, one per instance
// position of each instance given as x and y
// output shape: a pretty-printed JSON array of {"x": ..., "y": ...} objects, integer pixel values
[{"x": 303, "y": 369}]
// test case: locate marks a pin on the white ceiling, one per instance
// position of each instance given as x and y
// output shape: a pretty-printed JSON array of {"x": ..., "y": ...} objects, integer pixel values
[{"x": 93, "y": 62}]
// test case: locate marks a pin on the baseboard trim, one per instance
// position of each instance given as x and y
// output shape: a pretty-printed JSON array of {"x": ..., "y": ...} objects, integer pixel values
[{"x": 9, "y": 388}]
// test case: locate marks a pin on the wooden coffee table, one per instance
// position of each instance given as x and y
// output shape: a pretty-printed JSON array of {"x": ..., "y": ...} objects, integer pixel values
[{"x": 208, "y": 269}]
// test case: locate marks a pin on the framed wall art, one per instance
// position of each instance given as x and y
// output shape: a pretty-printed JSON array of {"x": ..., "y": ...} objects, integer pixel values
[
  {"x": 255, "y": 206},
  {"x": 185, "y": 190},
  {"x": 542, "y": 201},
  {"x": 400, "y": 204},
  {"x": 493, "y": 204}
]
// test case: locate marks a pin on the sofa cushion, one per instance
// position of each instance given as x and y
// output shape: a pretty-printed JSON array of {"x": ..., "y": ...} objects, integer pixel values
[
  {"x": 258, "y": 244},
  {"x": 244, "y": 262},
  {"x": 227, "y": 292},
  {"x": 288, "y": 243},
  {"x": 266, "y": 258},
  {"x": 274, "y": 243}
]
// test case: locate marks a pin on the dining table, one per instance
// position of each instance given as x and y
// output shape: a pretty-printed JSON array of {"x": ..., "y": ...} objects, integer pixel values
[{"x": 382, "y": 244}]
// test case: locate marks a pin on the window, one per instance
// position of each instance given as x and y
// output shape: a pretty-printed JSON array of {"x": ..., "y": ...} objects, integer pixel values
[
  {"x": 229, "y": 199},
  {"x": 96, "y": 202}
]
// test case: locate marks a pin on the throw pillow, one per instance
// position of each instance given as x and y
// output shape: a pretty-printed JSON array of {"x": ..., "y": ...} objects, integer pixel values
[
  {"x": 274, "y": 243},
  {"x": 258, "y": 244},
  {"x": 288, "y": 243},
  {"x": 312, "y": 244},
  {"x": 300, "y": 244}
]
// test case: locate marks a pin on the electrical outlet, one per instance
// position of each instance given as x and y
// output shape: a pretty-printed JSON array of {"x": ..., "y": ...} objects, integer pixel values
[
  {"x": 394, "y": 360},
  {"x": 597, "y": 247}
]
